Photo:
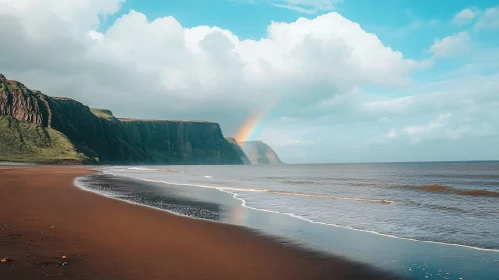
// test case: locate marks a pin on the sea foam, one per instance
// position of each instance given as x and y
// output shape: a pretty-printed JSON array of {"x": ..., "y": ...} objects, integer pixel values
[{"x": 232, "y": 190}]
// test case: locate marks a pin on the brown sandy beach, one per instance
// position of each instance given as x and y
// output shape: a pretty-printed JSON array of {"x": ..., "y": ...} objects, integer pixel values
[{"x": 43, "y": 217}]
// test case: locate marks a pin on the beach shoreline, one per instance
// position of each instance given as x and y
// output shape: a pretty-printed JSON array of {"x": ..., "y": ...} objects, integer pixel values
[{"x": 44, "y": 217}]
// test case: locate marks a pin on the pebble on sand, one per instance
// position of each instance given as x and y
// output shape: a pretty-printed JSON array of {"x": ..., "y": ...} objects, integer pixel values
[{"x": 6, "y": 259}]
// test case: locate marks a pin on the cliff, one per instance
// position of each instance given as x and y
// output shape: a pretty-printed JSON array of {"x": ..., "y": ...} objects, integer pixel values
[
  {"x": 23, "y": 104},
  {"x": 29, "y": 142},
  {"x": 101, "y": 139},
  {"x": 181, "y": 142},
  {"x": 260, "y": 153},
  {"x": 238, "y": 149},
  {"x": 38, "y": 128}
]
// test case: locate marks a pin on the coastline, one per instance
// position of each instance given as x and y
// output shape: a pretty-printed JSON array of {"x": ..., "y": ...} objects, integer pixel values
[
  {"x": 243, "y": 203},
  {"x": 408, "y": 258},
  {"x": 45, "y": 216}
]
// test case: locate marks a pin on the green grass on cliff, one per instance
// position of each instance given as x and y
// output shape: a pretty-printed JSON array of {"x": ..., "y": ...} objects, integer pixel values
[
  {"x": 26, "y": 142},
  {"x": 159, "y": 121},
  {"x": 102, "y": 113}
]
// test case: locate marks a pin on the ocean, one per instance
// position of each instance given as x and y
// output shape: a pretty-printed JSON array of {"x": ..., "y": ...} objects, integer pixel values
[{"x": 422, "y": 220}]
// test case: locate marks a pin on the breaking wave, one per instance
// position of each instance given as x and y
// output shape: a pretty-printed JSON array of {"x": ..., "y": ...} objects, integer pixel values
[
  {"x": 448, "y": 189},
  {"x": 275, "y": 192},
  {"x": 152, "y": 169},
  {"x": 375, "y": 200}
]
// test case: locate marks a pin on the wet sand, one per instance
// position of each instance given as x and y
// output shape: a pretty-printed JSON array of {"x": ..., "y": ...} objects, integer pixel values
[{"x": 43, "y": 217}]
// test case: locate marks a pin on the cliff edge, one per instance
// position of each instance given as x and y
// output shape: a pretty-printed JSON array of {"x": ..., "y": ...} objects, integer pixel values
[
  {"x": 181, "y": 142},
  {"x": 37, "y": 128},
  {"x": 260, "y": 153},
  {"x": 238, "y": 149}
]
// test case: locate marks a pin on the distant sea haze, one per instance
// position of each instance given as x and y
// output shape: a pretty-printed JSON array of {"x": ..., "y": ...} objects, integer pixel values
[{"x": 455, "y": 204}]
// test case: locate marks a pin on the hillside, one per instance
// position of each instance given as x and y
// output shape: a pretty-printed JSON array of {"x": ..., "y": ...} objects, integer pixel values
[
  {"x": 238, "y": 149},
  {"x": 260, "y": 153},
  {"x": 39, "y": 128},
  {"x": 28, "y": 142},
  {"x": 181, "y": 142}
]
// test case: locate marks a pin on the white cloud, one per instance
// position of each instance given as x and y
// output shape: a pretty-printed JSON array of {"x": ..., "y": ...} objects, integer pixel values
[
  {"x": 296, "y": 8},
  {"x": 94, "y": 35},
  {"x": 160, "y": 69},
  {"x": 305, "y": 6},
  {"x": 464, "y": 17},
  {"x": 392, "y": 134},
  {"x": 295, "y": 142},
  {"x": 311, "y": 74},
  {"x": 384, "y": 119},
  {"x": 432, "y": 126},
  {"x": 396, "y": 105},
  {"x": 436, "y": 129},
  {"x": 489, "y": 19},
  {"x": 44, "y": 13},
  {"x": 451, "y": 45}
]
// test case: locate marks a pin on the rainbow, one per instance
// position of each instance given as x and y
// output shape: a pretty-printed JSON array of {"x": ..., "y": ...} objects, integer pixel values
[
  {"x": 251, "y": 128},
  {"x": 254, "y": 124}
]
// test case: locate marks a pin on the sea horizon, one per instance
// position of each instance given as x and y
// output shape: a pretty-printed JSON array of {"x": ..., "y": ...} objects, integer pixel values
[
  {"x": 375, "y": 162},
  {"x": 285, "y": 163}
]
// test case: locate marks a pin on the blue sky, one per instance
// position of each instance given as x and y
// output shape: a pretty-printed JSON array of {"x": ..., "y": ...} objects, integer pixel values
[
  {"x": 406, "y": 26},
  {"x": 409, "y": 26},
  {"x": 338, "y": 80}
]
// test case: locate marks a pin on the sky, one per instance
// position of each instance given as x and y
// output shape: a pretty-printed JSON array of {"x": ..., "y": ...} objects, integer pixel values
[{"x": 322, "y": 80}]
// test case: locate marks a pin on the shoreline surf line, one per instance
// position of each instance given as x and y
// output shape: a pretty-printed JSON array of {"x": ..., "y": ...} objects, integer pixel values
[
  {"x": 431, "y": 188},
  {"x": 243, "y": 204},
  {"x": 81, "y": 185},
  {"x": 361, "y": 230},
  {"x": 373, "y": 200}
]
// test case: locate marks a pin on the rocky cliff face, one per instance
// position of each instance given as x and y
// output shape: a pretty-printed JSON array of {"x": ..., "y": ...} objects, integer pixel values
[
  {"x": 181, "y": 142},
  {"x": 97, "y": 136},
  {"x": 100, "y": 140},
  {"x": 238, "y": 149},
  {"x": 260, "y": 153},
  {"x": 23, "y": 104}
]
